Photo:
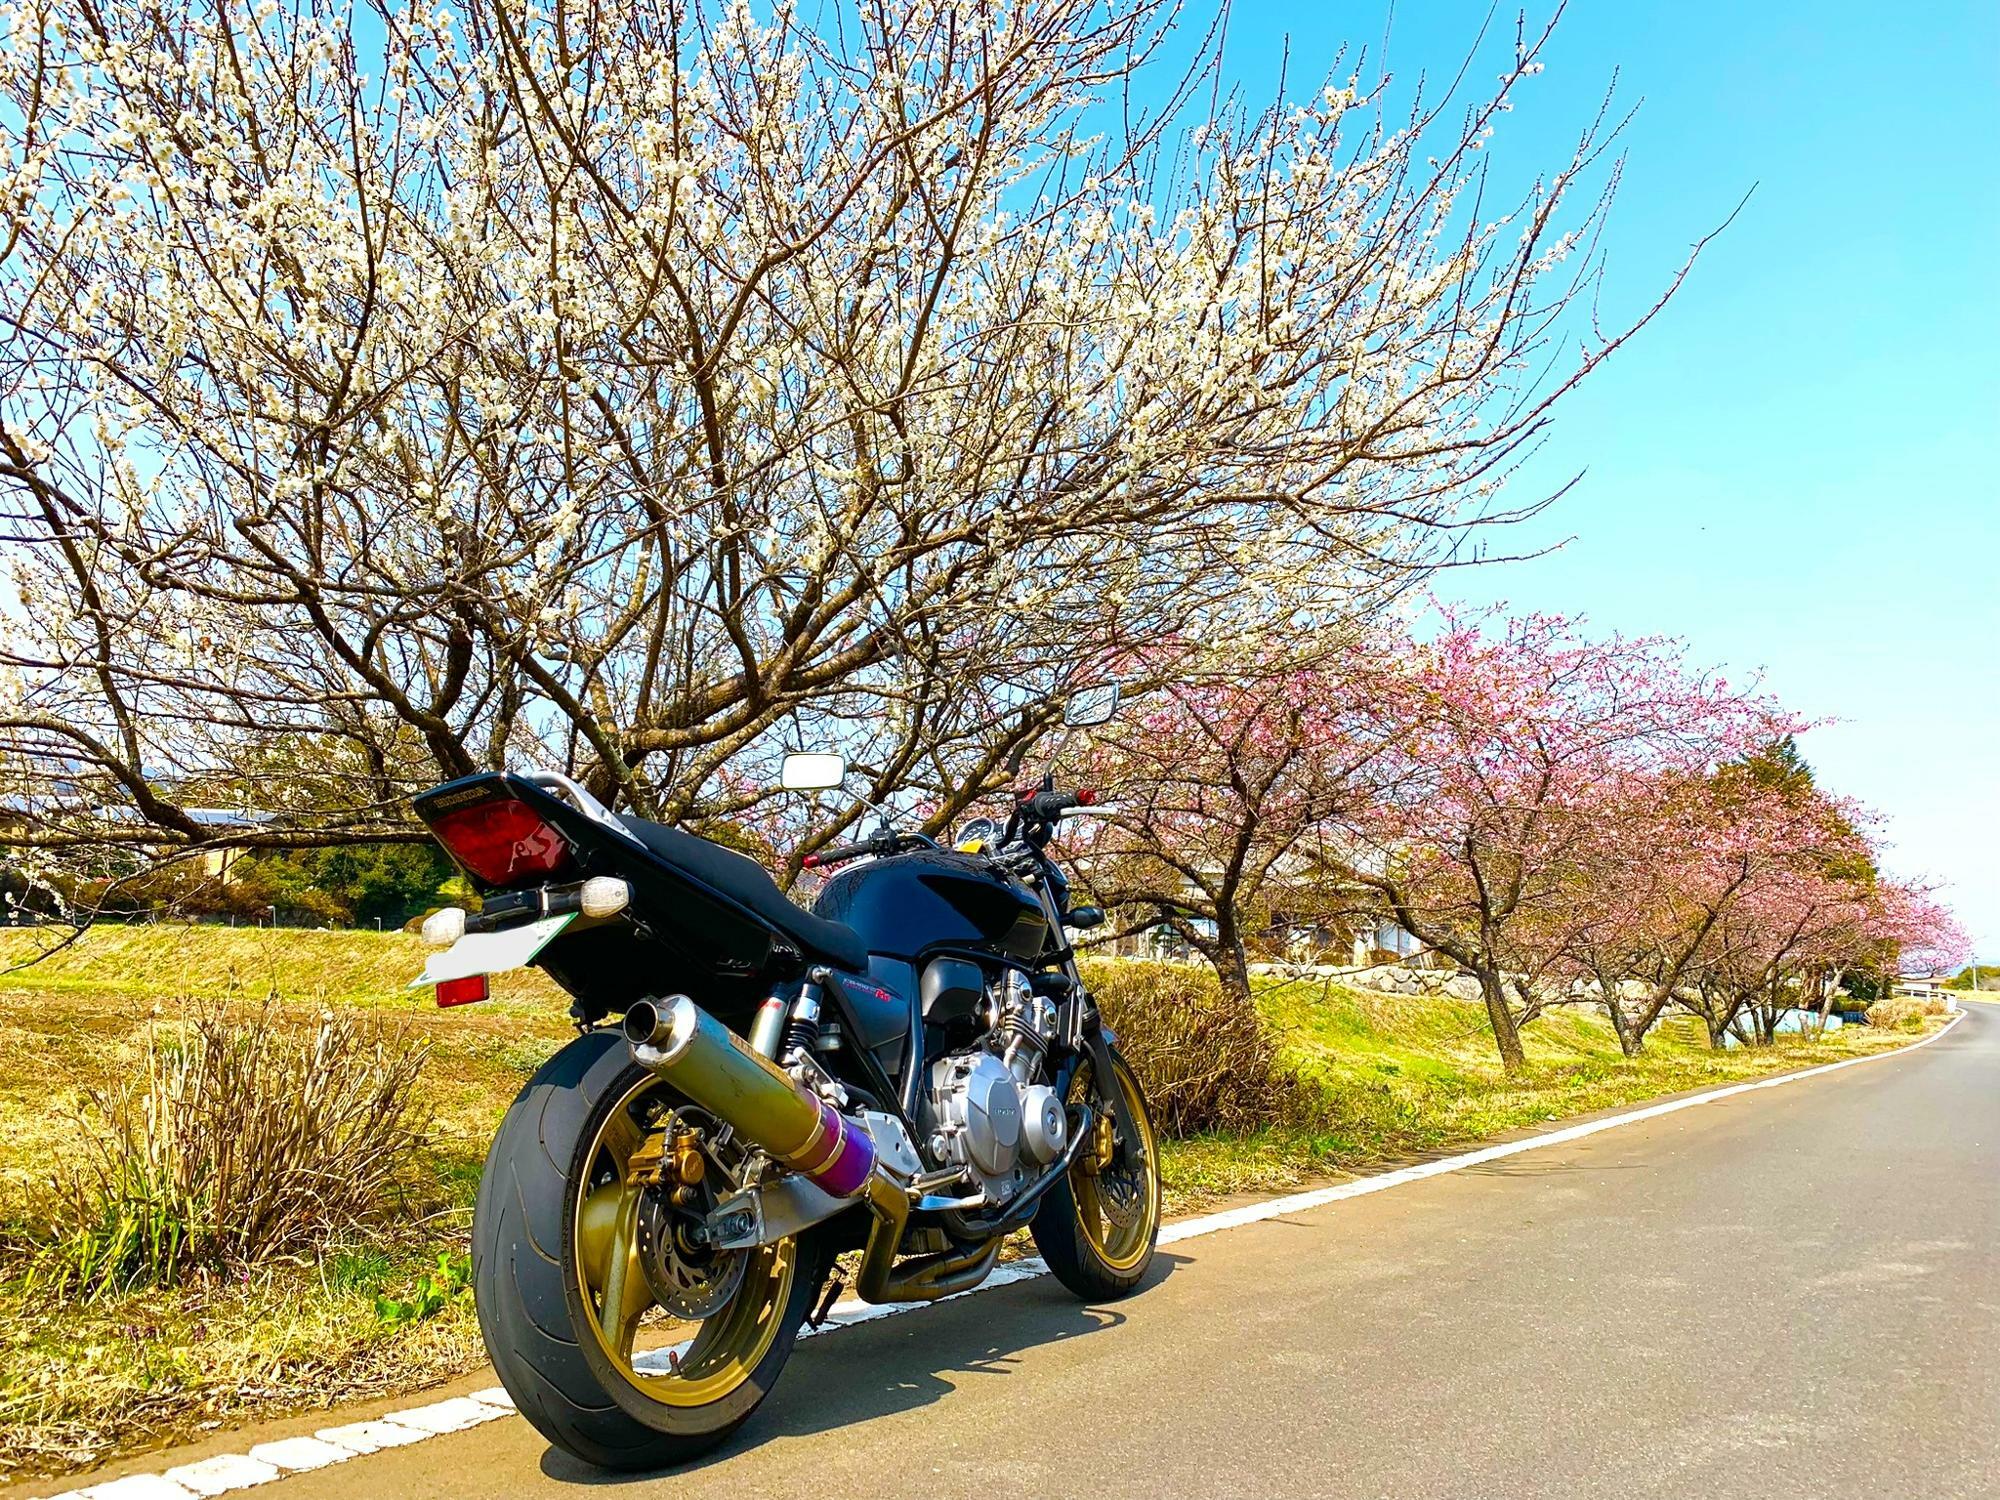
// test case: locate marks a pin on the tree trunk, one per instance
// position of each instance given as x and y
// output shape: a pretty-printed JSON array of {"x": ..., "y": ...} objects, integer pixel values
[
  {"x": 1505, "y": 1033},
  {"x": 1630, "y": 1038},
  {"x": 1231, "y": 963},
  {"x": 1649, "y": 1017},
  {"x": 1830, "y": 986},
  {"x": 1531, "y": 1004}
]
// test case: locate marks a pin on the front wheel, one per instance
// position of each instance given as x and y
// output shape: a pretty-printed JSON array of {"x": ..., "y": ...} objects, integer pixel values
[
  {"x": 1098, "y": 1226},
  {"x": 616, "y": 1335}
]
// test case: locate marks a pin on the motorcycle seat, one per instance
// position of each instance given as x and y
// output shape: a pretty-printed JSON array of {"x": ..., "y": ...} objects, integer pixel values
[{"x": 750, "y": 885}]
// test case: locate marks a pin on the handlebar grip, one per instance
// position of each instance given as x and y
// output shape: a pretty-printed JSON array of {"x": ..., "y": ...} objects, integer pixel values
[
  {"x": 834, "y": 854},
  {"x": 1053, "y": 804}
]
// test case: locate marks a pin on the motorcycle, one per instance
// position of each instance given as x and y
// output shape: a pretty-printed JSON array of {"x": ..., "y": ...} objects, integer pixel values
[{"x": 914, "y": 1070}]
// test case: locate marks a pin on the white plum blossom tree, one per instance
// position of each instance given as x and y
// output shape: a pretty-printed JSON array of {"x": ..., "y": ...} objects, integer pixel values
[{"x": 391, "y": 390}]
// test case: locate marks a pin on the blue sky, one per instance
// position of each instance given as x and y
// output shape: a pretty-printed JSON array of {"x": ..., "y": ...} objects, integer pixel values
[{"x": 1794, "y": 468}]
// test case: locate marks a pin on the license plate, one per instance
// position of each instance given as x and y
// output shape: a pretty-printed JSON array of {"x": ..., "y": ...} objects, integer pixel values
[{"x": 492, "y": 952}]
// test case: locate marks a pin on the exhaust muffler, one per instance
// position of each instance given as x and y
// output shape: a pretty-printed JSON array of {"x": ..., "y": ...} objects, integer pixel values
[
  {"x": 768, "y": 1107},
  {"x": 764, "y": 1104}
]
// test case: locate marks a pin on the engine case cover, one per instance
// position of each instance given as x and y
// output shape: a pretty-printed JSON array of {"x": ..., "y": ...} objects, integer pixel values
[
  {"x": 979, "y": 1106},
  {"x": 1044, "y": 1126}
]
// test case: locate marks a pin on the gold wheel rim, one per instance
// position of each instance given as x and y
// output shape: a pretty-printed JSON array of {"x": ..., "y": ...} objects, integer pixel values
[
  {"x": 1118, "y": 1201},
  {"x": 703, "y": 1361}
]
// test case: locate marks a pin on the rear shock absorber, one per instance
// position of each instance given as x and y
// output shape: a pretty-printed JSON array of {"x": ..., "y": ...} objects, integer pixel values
[
  {"x": 802, "y": 1031},
  {"x": 767, "y": 1032}
]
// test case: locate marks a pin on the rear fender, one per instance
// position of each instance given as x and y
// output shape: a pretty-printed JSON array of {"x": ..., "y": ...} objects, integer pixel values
[{"x": 701, "y": 927}]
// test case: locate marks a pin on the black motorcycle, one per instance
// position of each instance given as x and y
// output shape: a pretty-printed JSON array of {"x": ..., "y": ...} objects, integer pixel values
[{"x": 913, "y": 1070}]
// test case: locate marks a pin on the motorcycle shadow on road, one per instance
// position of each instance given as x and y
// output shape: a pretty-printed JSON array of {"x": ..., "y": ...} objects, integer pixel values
[{"x": 897, "y": 1364}]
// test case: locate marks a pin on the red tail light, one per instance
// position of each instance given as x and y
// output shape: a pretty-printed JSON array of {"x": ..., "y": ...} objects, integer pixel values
[
  {"x": 462, "y": 991},
  {"x": 502, "y": 841}
]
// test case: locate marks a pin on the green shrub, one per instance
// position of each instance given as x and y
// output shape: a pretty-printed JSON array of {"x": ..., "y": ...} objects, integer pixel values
[
  {"x": 234, "y": 1139},
  {"x": 439, "y": 1287},
  {"x": 357, "y": 1268},
  {"x": 1207, "y": 1064}
]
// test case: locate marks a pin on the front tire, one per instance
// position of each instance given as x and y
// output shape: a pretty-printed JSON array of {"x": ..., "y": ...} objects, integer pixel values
[
  {"x": 1098, "y": 1227},
  {"x": 542, "y": 1306}
]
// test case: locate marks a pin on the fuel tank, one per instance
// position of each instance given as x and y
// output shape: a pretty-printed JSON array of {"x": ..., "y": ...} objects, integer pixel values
[{"x": 909, "y": 904}]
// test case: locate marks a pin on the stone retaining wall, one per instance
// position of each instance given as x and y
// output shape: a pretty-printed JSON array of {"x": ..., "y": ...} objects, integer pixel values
[{"x": 1406, "y": 979}]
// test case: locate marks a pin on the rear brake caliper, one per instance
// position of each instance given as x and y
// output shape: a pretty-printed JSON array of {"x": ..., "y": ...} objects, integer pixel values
[{"x": 687, "y": 1277}]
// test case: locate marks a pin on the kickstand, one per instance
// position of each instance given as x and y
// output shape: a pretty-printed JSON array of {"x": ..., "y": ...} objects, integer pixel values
[{"x": 834, "y": 1286}]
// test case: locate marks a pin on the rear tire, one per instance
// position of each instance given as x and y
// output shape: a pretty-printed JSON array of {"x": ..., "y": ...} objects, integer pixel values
[
  {"x": 1099, "y": 1243},
  {"x": 528, "y": 1292}
]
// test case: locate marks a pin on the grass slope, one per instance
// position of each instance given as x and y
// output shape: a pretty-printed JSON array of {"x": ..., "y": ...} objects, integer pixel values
[
  {"x": 1391, "y": 1078},
  {"x": 1380, "y": 1078}
]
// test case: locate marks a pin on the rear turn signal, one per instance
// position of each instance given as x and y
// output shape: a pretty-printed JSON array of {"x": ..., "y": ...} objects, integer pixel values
[
  {"x": 462, "y": 991},
  {"x": 604, "y": 896},
  {"x": 502, "y": 841}
]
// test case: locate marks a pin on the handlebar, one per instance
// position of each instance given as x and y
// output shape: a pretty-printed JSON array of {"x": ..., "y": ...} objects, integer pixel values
[
  {"x": 1044, "y": 806},
  {"x": 1049, "y": 804},
  {"x": 835, "y": 854},
  {"x": 879, "y": 845}
]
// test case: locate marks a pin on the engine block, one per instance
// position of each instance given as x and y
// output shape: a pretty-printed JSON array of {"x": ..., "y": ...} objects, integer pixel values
[{"x": 990, "y": 1112}]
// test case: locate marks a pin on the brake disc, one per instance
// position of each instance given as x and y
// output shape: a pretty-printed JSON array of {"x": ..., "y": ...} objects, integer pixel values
[{"x": 688, "y": 1281}]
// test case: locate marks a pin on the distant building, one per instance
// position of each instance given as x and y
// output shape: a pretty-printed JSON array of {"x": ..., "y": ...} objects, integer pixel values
[
  {"x": 1921, "y": 986},
  {"x": 219, "y": 863}
]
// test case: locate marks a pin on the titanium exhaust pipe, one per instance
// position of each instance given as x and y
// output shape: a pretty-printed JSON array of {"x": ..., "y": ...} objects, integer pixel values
[
  {"x": 759, "y": 1100},
  {"x": 767, "y": 1106}
]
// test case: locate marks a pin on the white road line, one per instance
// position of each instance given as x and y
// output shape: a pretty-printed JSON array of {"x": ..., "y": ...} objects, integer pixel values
[{"x": 266, "y": 1462}]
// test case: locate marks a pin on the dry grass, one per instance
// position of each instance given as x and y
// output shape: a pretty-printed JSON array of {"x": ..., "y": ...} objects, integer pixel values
[
  {"x": 300, "y": 1331},
  {"x": 240, "y": 1137},
  {"x": 1207, "y": 1065},
  {"x": 1903, "y": 1012},
  {"x": 79, "y": 1020},
  {"x": 80, "y": 1384}
]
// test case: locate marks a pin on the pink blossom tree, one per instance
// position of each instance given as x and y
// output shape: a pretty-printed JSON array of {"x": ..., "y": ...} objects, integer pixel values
[
  {"x": 1895, "y": 927},
  {"x": 1926, "y": 937},
  {"x": 1515, "y": 749},
  {"x": 1226, "y": 787},
  {"x": 1670, "y": 858},
  {"x": 1807, "y": 910},
  {"x": 1790, "y": 926}
]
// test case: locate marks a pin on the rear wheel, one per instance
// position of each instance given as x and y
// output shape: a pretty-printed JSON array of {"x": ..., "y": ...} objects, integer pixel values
[
  {"x": 617, "y": 1335},
  {"x": 1097, "y": 1228}
]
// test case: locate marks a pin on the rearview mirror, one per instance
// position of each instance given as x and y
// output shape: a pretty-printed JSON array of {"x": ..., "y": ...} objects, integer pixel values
[
  {"x": 1091, "y": 705},
  {"x": 811, "y": 772}
]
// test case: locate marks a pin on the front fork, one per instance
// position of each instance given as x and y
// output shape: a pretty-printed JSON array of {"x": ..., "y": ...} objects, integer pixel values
[{"x": 1084, "y": 1026}]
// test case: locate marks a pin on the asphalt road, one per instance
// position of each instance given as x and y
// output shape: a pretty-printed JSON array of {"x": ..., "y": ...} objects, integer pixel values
[{"x": 1792, "y": 1292}]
